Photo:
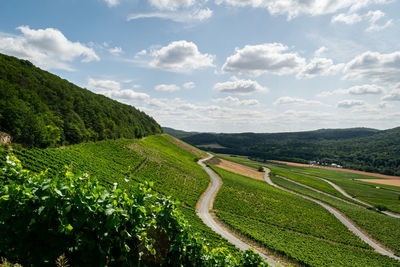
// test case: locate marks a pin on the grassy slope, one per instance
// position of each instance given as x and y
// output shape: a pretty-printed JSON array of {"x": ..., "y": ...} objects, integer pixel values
[
  {"x": 172, "y": 169},
  {"x": 289, "y": 224}
]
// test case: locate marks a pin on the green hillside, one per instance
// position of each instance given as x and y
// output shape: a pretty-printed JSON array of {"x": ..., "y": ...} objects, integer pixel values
[
  {"x": 40, "y": 109},
  {"x": 356, "y": 148},
  {"x": 157, "y": 160}
]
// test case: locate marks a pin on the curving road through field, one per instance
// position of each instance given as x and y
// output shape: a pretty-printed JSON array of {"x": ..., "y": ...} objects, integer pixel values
[
  {"x": 344, "y": 193},
  {"x": 204, "y": 213},
  {"x": 339, "y": 216}
]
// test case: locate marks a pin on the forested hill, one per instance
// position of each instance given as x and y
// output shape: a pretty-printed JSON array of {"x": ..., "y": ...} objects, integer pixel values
[
  {"x": 40, "y": 109},
  {"x": 355, "y": 148}
]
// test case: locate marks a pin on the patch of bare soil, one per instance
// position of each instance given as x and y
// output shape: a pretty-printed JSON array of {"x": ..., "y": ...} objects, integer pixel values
[
  {"x": 186, "y": 146},
  {"x": 238, "y": 168},
  {"x": 337, "y": 169},
  {"x": 394, "y": 182}
]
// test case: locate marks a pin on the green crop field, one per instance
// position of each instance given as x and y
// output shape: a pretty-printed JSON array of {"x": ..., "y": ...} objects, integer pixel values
[
  {"x": 379, "y": 226},
  {"x": 290, "y": 225},
  {"x": 172, "y": 170},
  {"x": 383, "y": 196}
]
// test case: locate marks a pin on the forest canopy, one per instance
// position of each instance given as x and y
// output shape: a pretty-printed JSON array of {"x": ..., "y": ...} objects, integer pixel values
[{"x": 40, "y": 109}]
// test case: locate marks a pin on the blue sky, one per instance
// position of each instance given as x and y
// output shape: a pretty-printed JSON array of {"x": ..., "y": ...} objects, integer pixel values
[{"x": 222, "y": 65}]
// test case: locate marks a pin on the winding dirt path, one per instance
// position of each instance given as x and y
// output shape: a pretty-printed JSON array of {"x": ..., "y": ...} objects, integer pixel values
[
  {"x": 344, "y": 193},
  {"x": 339, "y": 216},
  {"x": 203, "y": 211}
]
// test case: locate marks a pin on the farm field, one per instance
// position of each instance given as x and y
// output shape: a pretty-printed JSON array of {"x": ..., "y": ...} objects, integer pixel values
[
  {"x": 382, "y": 196},
  {"x": 379, "y": 226},
  {"x": 276, "y": 220},
  {"x": 172, "y": 170}
]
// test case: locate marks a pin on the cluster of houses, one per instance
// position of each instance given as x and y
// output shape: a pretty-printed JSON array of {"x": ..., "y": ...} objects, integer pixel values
[{"x": 333, "y": 165}]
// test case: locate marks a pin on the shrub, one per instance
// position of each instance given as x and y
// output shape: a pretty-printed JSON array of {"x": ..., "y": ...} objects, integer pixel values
[{"x": 43, "y": 218}]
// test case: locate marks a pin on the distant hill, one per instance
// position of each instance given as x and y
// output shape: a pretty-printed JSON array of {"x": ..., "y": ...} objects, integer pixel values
[
  {"x": 40, "y": 109},
  {"x": 177, "y": 133},
  {"x": 356, "y": 148}
]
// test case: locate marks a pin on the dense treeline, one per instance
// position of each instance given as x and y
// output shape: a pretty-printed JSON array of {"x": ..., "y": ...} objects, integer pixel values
[
  {"x": 357, "y": 148},
  {"x": 40, "y": 109}
]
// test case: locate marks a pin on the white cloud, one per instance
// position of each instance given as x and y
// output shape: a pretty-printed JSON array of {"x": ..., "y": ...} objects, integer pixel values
[
  {"x": 350, "y": 103},
  {"x": 180, "y": 56},
  {"x": 374, "y": 17},
  {"x": 234, "y": 101},
  {"x": 319, "y": 66},
  {"x": 167, "y": 87},
  {"x": 294, "y": 8},
  {"x": 197, "y": 14},
  {"x": 237, "y": 86},
  {"x": 392, "y": 96},
  {"x": 347, "y": 18},
  {"x": 115, "y": 51},
  {"x": 255, "y": 60},
  {"x": 113, "y": 90},
  {"x": 189, "y": 85},
  {"x": 102, "y": 85},
  {"x": 320, "y": 51},
  {"x": 171, "y": 4},
  {"x": 112, "y": 3},
  {"x": 127, "y": 94},
  {"x": 287, "y": 100},
  {"x": 365, "y": 89},
  {"x": 374, "y": 66},
  {"x": 48, "y": 48},
  {"x": 142, "y": 53}
]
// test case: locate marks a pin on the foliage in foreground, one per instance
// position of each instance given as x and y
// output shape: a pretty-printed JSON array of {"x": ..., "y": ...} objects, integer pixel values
[{"x": 43, "y": 217}]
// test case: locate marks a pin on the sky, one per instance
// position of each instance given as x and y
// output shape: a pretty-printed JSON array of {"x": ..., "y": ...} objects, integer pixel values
[{"x": 222, "y": 65}]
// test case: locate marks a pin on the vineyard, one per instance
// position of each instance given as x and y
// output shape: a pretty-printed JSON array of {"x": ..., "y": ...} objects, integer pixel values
[
  {"x": 381, "y": 227},
  {"x": 382, "y": 196},
  {"x": 269, "y": 216},
  {"x": 156, "y": 159}
]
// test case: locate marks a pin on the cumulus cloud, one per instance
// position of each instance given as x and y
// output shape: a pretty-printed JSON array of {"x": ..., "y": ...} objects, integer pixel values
[
  {"x": 365, "y": 89},
  {"x": 392, "y": 96},
  {"x": 294, "y": 8},
  {"x": 189, "y": 85},
  {"x": 112, "y": 3},
  {"x": 319, "y": 66},
  {"x": 287, "y": 100},
  {"x": 102, "y": 85},
  {"x": 255, "y": 60},
  {"x": 350, "y": 103},
  {"x": 171, "y": 4},
  {"x": 127, "y": 94},
  {"x": 320, "y": 51},
  {"x": 113, "y": 90},
  {"x": 374, "y": 17},
  {"x": 234, "y": 101},
  {"x": 167, "y": 87},
  {"x": 237, "y": 86},
  {"x": 374, "y": 66},
  {"x": 180, "y": 56},
  {"x": 347, "y": 18},
  {"x": 115, "y": 51},
  {"x": 197, "y": 14},
  {"x": 47, "y": 48}
]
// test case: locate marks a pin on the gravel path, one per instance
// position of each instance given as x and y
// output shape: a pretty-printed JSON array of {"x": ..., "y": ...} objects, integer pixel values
[
  {"x": 344, "y": 193},
  {"x": 338, "y": 215},
  {"x": 204, "y": 213}
]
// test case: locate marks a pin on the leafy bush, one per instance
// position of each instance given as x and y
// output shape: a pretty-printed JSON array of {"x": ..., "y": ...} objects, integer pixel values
[{"x": 44, "y": 217}]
